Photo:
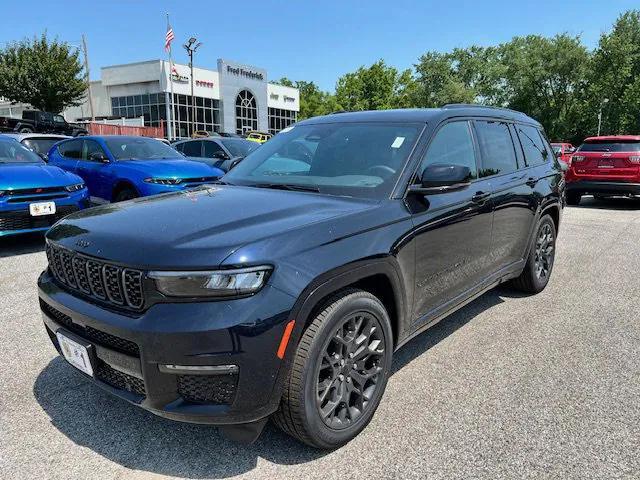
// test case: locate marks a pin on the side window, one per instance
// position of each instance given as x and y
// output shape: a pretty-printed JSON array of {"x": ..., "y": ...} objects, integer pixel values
[
  {"x": 535, "y": 152},
  {"x": 91, "y": 151},
  {"x": 452, "y": 145},
  {"x": 211, "y": 148},
  {"x": 71, "y": 149},
  {"x": 192, "y": 149},
  {"x": 179, "y": 147},
  {"x": 496, "y": 148}
]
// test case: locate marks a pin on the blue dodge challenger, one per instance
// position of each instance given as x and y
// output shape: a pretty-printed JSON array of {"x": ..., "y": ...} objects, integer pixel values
[{"x": 34, "y": 195}]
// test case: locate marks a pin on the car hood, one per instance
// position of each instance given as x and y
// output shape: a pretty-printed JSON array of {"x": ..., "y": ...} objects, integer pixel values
[
  {"x": 198, "y": 228},
  {"x": 179, "y": 167},
  {"x": 14, "y": 176}
]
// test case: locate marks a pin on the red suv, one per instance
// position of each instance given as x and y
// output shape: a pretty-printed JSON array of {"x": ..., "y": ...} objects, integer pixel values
[
  {"x": 604, "y": 166},
  {"x": 563, "y": 151}
]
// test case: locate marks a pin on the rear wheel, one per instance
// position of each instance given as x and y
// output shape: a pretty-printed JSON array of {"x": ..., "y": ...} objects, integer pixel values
[
  {"x": 26, "y": 130},
  {"x": 125, "y": 194},
  {"x": 537, "y": 271},
  {"x": 573, "y": 198},
  {"x": 339, "y": 371}
]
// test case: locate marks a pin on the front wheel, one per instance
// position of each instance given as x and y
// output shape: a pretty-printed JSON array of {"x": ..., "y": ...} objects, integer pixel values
[
  {"x": 339, "y": 371},
  {"x": 125, "y": 194},
  {"x": 537, "y": 271}
]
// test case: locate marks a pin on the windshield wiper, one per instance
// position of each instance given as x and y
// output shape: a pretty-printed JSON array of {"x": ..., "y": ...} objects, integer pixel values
[{"x": 287, "y": 186}]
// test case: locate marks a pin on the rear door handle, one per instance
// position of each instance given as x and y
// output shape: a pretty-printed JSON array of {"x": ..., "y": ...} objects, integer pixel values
[
  {"x": 480, "y": 197},
  {"x": 531, "y": 181}
]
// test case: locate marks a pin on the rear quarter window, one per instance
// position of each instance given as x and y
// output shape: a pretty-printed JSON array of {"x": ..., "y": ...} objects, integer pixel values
[{"x": 533, "y": 145}]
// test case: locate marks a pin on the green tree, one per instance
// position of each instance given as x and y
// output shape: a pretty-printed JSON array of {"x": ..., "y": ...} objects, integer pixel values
[
  {"x": 375, "y": 87},
  {"x": 615, "y": 75},
  {"x": 45, "y": 74},
  {"x": 313, "y": 101}
]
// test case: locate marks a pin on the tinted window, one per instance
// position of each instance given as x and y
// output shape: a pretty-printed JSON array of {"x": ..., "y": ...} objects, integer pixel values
[
  {"x": 71, "y": 149},
  {"x": 14, "y": 152},
  {"x": 534, "y": 149},
  {"x": 351, "y": 159},
  {"x": 599, "y": 146},
  {"x": 452, "y": 145},
  {"x": 192, "y": 149},
  {"x": 40, "y": 145},
  {"x": 179, "y": 147},
  {"x": 211, "y": 148},
  {"x": 91, "y": 148},
  {"x": 496, "y": 148}
]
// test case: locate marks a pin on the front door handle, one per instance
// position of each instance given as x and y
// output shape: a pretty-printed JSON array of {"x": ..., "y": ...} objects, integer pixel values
[
  {"x": 531, "y": 181},
  {"x": 480, "y": 197}
]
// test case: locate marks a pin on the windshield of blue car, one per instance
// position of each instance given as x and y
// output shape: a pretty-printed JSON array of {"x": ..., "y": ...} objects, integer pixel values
[
  {"x": 239, "y": 147},
  {"x": 347, "y": 159},
  {"x": 14, "y": 152},
  {"x": 139, "y": 148}
]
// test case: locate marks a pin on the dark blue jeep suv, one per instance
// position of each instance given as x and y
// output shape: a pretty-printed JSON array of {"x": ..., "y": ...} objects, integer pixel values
[
  {"x": 284, "y": 290},
  {"x": 117, "y": 168}
]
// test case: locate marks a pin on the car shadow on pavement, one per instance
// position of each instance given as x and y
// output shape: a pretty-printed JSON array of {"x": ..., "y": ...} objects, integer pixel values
[
  {"x": 139, "y": 440},
  {"x": 21, "y": 244},
  {"x": 614, "y": 203}
]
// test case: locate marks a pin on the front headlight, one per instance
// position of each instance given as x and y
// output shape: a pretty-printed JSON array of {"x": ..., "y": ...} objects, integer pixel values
[
  {"x": 163, "y": 181},
  {"x": 75, "y": 187},
  {"x": 219, "y": 283}
]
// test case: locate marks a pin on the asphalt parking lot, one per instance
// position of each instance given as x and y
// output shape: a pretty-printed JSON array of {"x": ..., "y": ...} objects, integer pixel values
[{"x": 509, "y": 387}]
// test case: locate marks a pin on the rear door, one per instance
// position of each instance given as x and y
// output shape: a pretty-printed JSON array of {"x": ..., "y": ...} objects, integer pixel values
[
  {"x": 513, "y": 198},
  {"x": 607, "y": 160}
]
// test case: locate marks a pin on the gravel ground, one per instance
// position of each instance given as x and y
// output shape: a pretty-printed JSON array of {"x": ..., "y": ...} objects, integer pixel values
[{"x": 509, "y": 387}]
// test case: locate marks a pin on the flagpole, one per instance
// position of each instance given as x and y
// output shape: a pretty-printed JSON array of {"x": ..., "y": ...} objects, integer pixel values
[{"x": 172, "y": 120}]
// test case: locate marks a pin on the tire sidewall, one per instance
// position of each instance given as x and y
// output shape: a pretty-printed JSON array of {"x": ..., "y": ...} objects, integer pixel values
[
  {"x": 323, "y": 435},
  {"x": 540, "y": 284}
]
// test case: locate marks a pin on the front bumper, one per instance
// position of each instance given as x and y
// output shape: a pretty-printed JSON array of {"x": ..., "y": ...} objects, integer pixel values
[
  {"x": 603, "y": 187},
  {"x": 15, "y": 218},
  {"x": 240, "y": 337}
]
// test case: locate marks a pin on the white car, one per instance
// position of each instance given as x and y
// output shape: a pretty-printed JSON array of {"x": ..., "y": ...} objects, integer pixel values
[{"x": 40, "y": 143}]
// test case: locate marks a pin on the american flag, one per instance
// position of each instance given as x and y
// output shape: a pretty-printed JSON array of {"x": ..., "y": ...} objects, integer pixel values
[{"x": 168, "y": 38}]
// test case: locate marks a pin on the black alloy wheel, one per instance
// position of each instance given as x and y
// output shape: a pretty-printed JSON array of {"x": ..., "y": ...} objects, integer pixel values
[
  {"x": 544, "y": 252},
  {"x": 349, "y": 371},
  {"x": 537, "y": 270}
]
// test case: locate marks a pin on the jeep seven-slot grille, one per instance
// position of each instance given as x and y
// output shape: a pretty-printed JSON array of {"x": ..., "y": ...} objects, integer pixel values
[{"x": 104, "y": 281}]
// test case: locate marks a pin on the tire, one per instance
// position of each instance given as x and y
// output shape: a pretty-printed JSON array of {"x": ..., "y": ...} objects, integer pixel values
[
  {"x": 26, "y": 130},
  {"x": 320, "y": 355},
  {"x": 573, "y": 198},
  {"x": 125, "y": 194},
  {"x": 537, "y": 271}
]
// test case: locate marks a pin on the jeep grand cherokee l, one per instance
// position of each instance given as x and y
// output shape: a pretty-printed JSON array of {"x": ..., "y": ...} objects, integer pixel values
[
  {"x": 605, "y": 166},
  {"x": 284, "y": 290}
]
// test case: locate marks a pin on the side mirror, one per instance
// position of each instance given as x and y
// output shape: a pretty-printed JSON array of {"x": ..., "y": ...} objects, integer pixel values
[
  {"x": 442, "y": 178},
  {"x": 43, "y": 156},
  {"x": 221, "y": 155}
]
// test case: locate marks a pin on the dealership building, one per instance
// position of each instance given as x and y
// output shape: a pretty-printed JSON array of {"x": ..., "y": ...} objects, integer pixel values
[{"x": 235, "y": 98}]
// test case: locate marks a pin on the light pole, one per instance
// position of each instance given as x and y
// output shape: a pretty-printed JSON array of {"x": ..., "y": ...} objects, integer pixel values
[
  {"x": 602, "y": 104},
  {"x": 191, "y": 46}
]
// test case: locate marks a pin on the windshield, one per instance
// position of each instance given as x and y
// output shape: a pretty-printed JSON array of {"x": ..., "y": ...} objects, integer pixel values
[
  {"x": 139, "y": 148},
  {"x": 40, "y": 145},
  {"x": 632, "y": 146},
  {"x": 240, "y": 147},
  {"x": 350, "y": 159},
  {"x": 14, "y": 152}
]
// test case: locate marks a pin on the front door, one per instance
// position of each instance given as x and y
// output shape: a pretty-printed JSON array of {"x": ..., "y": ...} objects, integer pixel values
[
  {"x": 452, "y": 232},
  {"x": 94, "y": 171}
]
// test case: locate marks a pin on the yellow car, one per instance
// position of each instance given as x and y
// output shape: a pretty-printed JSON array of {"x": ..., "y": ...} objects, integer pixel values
[{"x": 258, "y": 137}]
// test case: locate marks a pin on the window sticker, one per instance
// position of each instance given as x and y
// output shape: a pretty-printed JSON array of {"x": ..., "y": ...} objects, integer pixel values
[{"x": 397, "y": 143}]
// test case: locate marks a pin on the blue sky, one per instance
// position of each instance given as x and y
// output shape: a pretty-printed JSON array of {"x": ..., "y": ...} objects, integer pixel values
[{"x": 318, "y": 40}]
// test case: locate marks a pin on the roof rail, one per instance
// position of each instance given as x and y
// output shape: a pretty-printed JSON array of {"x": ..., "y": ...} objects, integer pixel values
[
  {"x": 339, "y": 111},
  {"x": 477, "y": 105}
]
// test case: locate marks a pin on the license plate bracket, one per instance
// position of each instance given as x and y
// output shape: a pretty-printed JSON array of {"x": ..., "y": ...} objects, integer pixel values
[{"x": 77, "y": 351}]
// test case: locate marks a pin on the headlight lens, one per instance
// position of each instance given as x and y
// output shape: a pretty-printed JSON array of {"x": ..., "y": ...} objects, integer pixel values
[
  {"x": 163, "y": 181},
  {"x": 220, "y": 283},
  {"x": 74, "y": 187}
]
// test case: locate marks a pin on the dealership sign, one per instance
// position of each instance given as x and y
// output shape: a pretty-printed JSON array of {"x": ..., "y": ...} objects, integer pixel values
[
  {"x": 176, "y": 77},
  {"x": 245, "y": 72}
]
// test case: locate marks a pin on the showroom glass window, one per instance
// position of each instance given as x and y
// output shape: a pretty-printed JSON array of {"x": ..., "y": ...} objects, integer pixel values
[
  {"x": 279, "y": 118},
  {"x": 452, "y": 145},
  {"x": 246, "y": 112},
  {"x": 496, "y": 148}
]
